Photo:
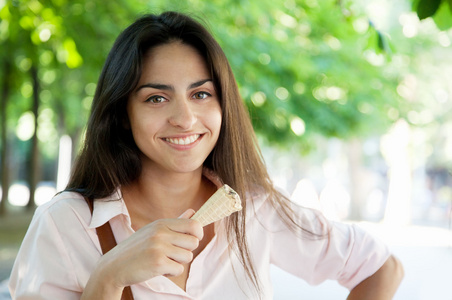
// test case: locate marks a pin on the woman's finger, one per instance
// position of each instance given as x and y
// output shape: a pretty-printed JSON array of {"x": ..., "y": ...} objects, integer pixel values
[
  {"x": 187, "y": 214},
  {"x": 187, "y": 226}
]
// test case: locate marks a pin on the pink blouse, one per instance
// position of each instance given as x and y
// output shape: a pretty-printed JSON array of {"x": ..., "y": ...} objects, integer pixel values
[{"x": 61, "y": 249}]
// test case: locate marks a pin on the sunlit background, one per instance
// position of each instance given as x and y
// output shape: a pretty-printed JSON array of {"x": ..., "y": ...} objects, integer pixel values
[{"x": 351, "y": 101}]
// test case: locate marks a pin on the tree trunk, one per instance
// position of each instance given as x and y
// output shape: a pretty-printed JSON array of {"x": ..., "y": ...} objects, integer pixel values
[
  {"x": 33, "y": 167},
  {"x": 4, "y": 137}
]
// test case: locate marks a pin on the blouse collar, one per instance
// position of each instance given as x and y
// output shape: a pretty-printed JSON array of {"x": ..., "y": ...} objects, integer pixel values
[{"x": 109, "y": 207}]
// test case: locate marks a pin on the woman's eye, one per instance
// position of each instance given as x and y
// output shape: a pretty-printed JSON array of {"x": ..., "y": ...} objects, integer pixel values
[
  {"x": 156, "y": 99},
  {"x": 201, "y": 95}
]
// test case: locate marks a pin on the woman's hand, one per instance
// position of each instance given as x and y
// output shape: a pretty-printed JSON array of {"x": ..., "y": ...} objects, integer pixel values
[
  {"x": 382, "y": 285},
  {"x": 159, "y": 248}
]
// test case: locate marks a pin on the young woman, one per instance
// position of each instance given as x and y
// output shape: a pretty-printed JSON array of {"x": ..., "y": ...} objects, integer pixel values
[{"x": 167, "y": 128}]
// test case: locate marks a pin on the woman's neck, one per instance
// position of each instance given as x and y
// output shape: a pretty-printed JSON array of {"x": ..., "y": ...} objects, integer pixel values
[{"x": 165, "y": 195}]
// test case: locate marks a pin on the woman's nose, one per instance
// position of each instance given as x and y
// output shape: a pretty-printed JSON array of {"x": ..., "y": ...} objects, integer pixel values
[{"x": 182, "y": 114}]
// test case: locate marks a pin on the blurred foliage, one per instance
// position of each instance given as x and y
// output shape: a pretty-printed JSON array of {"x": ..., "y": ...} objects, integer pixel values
[
  {"x": 301, "y": 65},
  {"x": 439, "y": 10},
  {"x": 302, "y": 70},
  {"x": 67, "y": 42},
  {"x": 305, "y": 68}
]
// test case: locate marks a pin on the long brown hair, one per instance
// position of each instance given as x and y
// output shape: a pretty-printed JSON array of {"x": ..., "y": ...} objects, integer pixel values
[{"x": 110, "y": 157}]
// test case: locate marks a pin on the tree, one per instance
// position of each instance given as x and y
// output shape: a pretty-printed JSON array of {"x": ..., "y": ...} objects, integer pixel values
[
  {"x": 6, "y": 71},
  {"x": 45, "y": 38},
  {"x": 307, "y": 68}
]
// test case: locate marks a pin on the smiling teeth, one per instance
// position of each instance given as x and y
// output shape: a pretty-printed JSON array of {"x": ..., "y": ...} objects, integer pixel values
[{"x": 183, "y": 141}]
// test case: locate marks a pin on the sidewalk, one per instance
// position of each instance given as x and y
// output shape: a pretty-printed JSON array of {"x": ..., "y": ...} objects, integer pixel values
[
  {"x": 12, "y": 230},
  {"x": 4, "y": 293},
  {"x": 7, "y": 256}
]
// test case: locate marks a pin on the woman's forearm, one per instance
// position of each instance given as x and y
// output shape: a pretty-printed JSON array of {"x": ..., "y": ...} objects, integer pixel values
[{"x": 382, "y": 285}]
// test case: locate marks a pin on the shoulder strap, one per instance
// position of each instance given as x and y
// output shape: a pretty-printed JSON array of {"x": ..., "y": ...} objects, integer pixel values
[{"x": 107, "y": 242}]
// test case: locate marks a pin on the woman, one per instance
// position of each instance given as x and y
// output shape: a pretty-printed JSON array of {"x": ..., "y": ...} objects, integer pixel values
[{"x": 167, "y": 128}]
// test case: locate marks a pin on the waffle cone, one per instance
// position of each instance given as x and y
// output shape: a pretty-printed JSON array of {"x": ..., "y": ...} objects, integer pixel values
[{"x": 221, "y": 204}]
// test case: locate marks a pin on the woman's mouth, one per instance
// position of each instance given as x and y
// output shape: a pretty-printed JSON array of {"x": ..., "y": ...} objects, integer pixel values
[{"x": 183, "y": 141}]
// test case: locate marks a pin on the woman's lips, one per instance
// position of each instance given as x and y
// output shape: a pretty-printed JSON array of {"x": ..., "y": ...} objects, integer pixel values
[{"x": 187, "y": 140}]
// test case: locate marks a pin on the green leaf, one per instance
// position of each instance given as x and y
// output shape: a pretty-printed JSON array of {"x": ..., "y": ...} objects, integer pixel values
[
  {"x": 427, "y": 8},
  {"x": 450, "y": 4},
  {"x": 414, "y": 4},
  {"x": 443, "y": 17}
]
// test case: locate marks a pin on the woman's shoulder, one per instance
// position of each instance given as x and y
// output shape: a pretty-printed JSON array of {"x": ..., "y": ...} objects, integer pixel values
[
  {"x": 61, "y": 200},
  {"x": 64, "y": 206},
  {"x": 276, "y": 208}
]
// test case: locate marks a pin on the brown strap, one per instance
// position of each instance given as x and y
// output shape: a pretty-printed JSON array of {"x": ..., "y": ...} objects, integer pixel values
[{"x": 107, "y": 242}]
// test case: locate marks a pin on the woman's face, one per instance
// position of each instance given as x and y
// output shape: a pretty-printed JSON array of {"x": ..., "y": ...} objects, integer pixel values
[{"x": 174, "y": 113}]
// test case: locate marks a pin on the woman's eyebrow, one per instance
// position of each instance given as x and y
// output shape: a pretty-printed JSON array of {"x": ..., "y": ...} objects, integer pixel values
[
  {"x": 169, "y": 87},
  {"x": 157, "y": 86},
  {"x": 199, "y": 83}
]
